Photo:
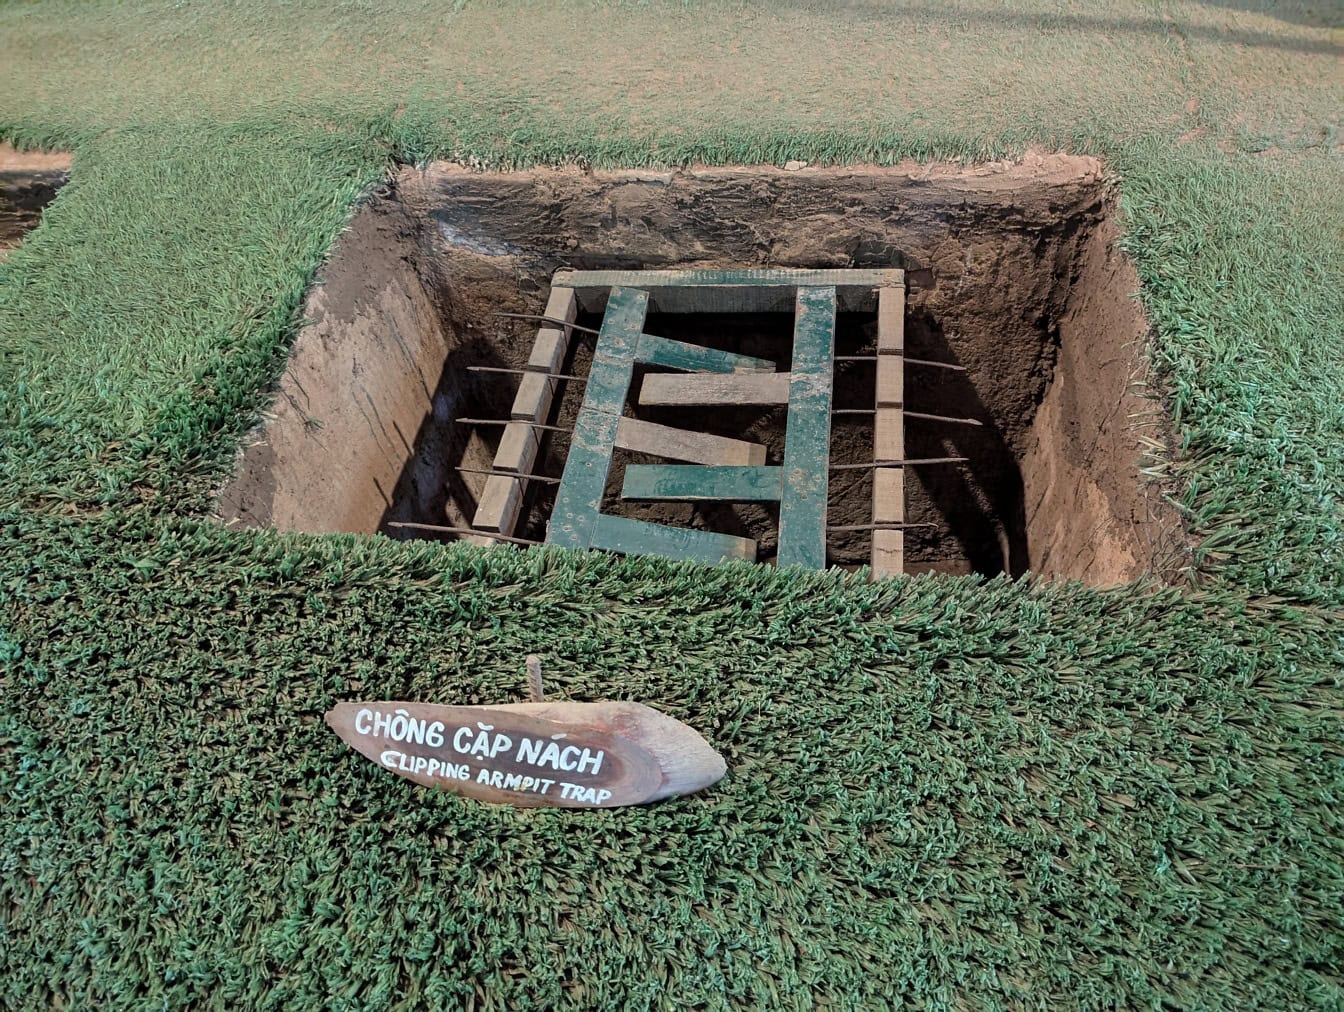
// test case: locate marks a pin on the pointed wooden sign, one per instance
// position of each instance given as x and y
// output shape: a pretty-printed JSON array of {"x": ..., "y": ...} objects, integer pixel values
[{"x": 567, "y": 755}]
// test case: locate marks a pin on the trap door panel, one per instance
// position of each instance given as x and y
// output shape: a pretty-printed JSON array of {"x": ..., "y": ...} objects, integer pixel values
[{"x": 707, "y": 377}]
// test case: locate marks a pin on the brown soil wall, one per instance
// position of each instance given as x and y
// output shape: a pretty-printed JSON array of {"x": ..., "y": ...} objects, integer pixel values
[{"x": 28, "y": 183}]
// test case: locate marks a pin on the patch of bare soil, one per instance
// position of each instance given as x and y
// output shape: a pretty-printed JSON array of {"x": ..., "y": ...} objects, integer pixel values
[
  {"x": 1028, "y": 294},
  {"x": 28, "y": 183}
]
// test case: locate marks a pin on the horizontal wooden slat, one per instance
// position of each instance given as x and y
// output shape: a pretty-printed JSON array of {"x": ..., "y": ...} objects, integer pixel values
[
  {"x": 695, "y": 358},
  {"x": 682, "y": 444},
  {"x": 638, "y": 537},
  {"x": 746, "y": 291},
  {"x": 696, "y": 483},
  {"x": 701, "y": 388}
]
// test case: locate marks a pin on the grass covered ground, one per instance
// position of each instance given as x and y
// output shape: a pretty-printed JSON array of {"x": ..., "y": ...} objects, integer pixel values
[{"x": 943, "y": 792}]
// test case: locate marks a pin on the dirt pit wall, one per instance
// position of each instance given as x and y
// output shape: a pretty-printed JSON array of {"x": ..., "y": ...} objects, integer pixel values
[
  {"x": 28, "y": 183},
  {"x": 1027, "y": 293}
]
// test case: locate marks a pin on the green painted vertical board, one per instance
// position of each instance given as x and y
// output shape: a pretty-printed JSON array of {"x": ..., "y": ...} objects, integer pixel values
[
  {"x": 579, "y": 498},
  {"x": 614, "y": 357},
  {"x": 698, "y": 482},
  {"x": 696, "y": 358},
  {"x": 807, "y": 437},
  {"x": 638, "y": 537}
]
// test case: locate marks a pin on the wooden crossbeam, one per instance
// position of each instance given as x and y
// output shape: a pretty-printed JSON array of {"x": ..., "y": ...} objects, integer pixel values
[
  {"x": 702, "y": 389},
  {"x": 632, "y": 537},
  {"x": 501, "y": 500},
  {"x": 696, "y": 483},
  {"x": 807, "y": 437},
  {"x": 745, "y": 291},
  {"x": 693, "y": 357},
  {"x": 888, "y": 549},
  {"x": 682, "y": 444}
]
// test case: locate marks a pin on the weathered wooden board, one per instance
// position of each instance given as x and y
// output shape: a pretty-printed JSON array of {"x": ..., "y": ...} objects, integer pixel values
[
  {"x": 535, "y": 392},
  {"x": 694, "y": 483},
  {"x": 623, "y": 534},
  {"x": 501, "y": 500},
  {"x": 699, "y": 389},
  {"x": 499, "y": 505},
  {"x": 565, "y": 755},
  {"x": 888, "y": 547},
  {"x": 807, "y": 436},
  {"x": 682, "y": 444},
  {"x": 579, "y": 498},
  {"x": 743, "y": 291},
  {"x": 695, "y": 358}
]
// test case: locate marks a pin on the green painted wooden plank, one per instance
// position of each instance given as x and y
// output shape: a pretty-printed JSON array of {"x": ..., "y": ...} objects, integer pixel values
[
  {"x": 578, "y": 501},
  {"x": 695, "y": 358},
  {"x": 745, "y": 291},
  {"x": 638, "y": 537},
  {"x": 807, "y": 437},
  {"x": 614, "y": 356},
  {"x": 694, "y": 482}
]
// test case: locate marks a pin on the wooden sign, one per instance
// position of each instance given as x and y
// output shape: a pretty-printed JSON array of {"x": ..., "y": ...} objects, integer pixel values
[{"x": 567, "y": 755}]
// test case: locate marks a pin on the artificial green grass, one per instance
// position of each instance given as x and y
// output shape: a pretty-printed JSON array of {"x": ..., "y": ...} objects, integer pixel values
[{"x": 940, "y": 792}]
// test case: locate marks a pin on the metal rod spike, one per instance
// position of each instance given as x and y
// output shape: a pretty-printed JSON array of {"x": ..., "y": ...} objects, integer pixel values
[
  {"x": 543, "y": 478},
  {"x": 406, "y": 524},
  {"x": 510, "y": 421},
  {"x": 548, "y": 319},
  {"x": 526, "y": 372}
]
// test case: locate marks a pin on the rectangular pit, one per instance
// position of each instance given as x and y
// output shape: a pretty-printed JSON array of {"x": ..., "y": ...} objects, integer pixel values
[{"x": 1027, "y": 292}]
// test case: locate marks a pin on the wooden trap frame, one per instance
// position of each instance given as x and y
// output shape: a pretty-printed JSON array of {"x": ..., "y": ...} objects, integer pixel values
[{"x": 710, "y": 467}]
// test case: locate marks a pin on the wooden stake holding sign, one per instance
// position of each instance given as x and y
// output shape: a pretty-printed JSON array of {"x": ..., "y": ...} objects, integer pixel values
[{"x": 564, "y": 755}]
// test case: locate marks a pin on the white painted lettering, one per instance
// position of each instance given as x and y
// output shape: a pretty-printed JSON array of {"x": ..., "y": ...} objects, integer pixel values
[
  {"x": 366, "y": 716},
  {"x": 502, "y": 744},
  {"x": 602, "y": 795},
  {"x": 483, "y": 777},
  {"x": 390, "y": 759},
  {"x": 589, "y": 757},
  {"x": 460, "y": 739},
  {"x": 528, "y": 751},
  {"x": 566, "y": 762},
  {"x": 379, "y": 724},
  {"x": 415, "y": 731},
  {"x": 481, "y": 746},
  {"x": 434, "y": 734},
  {"x": 551, "y": 757},
  {"x": 420, "y": 763},
  {"x": 396, "y": 727},
  {"x": 432, "y": 770},
  {"x": 497, "y": 779},
  {"x": 513, "y": 781}
]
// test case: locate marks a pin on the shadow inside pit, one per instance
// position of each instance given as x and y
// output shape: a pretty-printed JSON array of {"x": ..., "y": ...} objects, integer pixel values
[
  {"x": 23, "y": 196},
  {"x": 432, "y": 488},
  {"x": 982, "y": 502}
]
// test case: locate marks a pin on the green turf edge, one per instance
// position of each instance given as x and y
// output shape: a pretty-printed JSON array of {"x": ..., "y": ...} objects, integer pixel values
[
  {"x": 1257, "y": 406},
  {"x": 940, "y": 790}
]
